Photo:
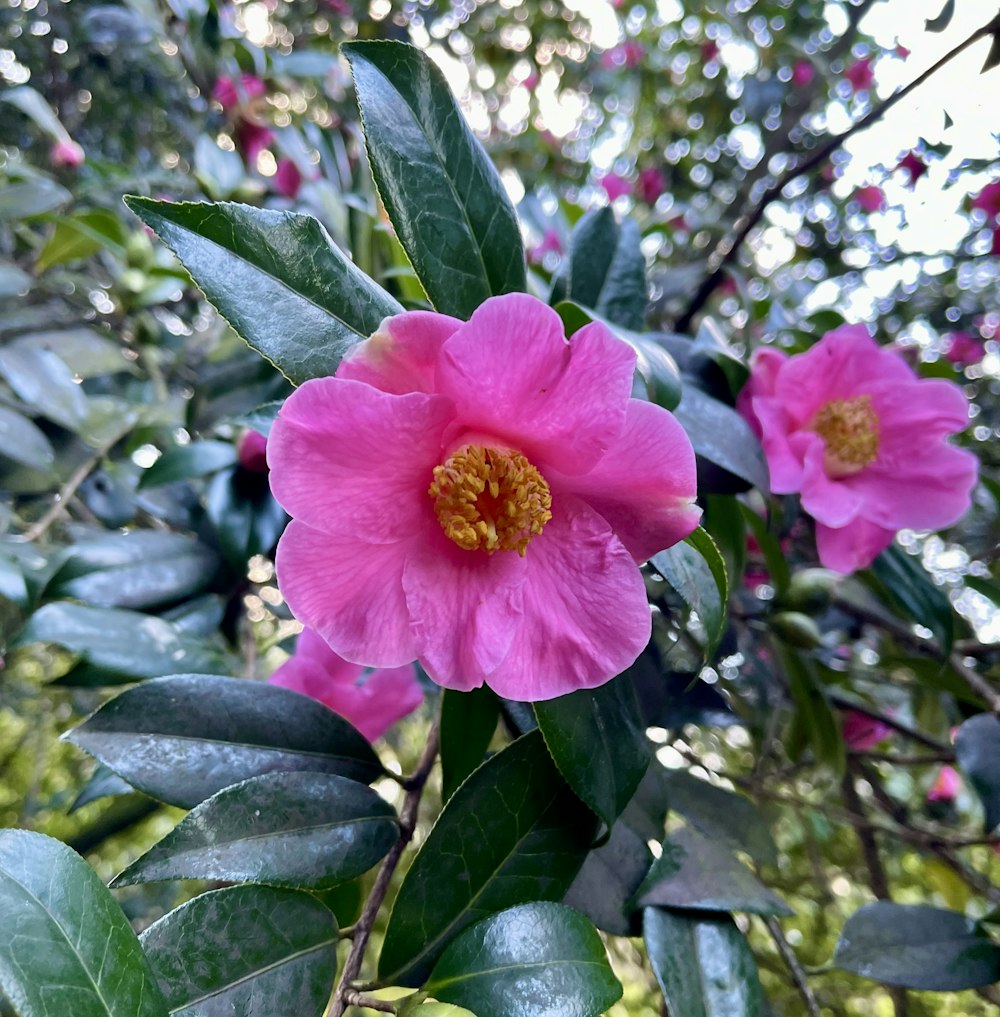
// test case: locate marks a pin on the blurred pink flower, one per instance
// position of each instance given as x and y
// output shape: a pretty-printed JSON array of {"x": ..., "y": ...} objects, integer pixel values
[
  {"x": 652, "y": 183},
  {"x": 372, "y": 702},
  {"x": 995, "y": 242},
  {"x": 901, "y": 51},
  {"x": 860, "y": 74},
  {"x": 252, "y": 452},
  {"x": 615, "y": 186},
  {"x": 709, "y": 50},
  {"x": 803, "y": 73},
  {"x": 477, "y": 495},
  {"x": 625, "y": 54},
  {"x": 550, "y": 243},
  {"x": 287, "y": 178},
  {"x": 531, "y": 81},
  {"x": 946, "y": 785},
  {"x": 341, "y": 7},
  {"x": 851, "y": 428},
  {"x": 913, "y": 166},
  {"x": 229, "y": 93},
  {"x": 862, "y": 732},
  {"x": 67, "y": 153},
  {"x": 251, "y": 139},
  {"x": 870, "y": 198},
  {"x": 988, "y": 199},
  {"x": 963, "y": 348}
]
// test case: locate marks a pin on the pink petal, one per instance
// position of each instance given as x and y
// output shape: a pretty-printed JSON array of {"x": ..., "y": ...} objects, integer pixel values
[
  {"x": 833, "y": 502},
  {"x": 586, "y": 618},
  {"x": 351, "y": 460},
  {"x": 512, "y": 374},
  {"x": 465, "y": 608},
  {"x": 910, "y": 416},
  {"x": 784, "y": 463},
  {"x": 764, "y": 366},
  {"x": 852, "y": 547},
  {"x": 645, "y": 486},
  {"x": 402, "y": 355},
  {"x": 350, "y": 592}
]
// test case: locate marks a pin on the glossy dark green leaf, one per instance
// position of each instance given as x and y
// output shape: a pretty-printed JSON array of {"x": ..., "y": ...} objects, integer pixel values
[
  {"x": 276, "y": 277},
  {"x": 977, "y": 749},
  {"x": 468, "y": 721},
  {"x": 245, "y": 950},
  {"x": 770, "y": 548},
  {"x": 442, "y": 194},
  {"x": 721, "y": 815},
  {"x": 812, "y": 706},
  {"x": 66, "y": 946},
  {"x": 119, "y": 646},
  {"x": 23, "y": 442},
  {"x": 598, "y": 740},
  {"x": 304, "y": 830},
  {"x": 185, "y": 461},
  {"x": 142, "y": 569},
  {"x": 104, "y": 783},
  {"x": 512, "y": 833},
  {"x": 85, "y": 352},
  {"x": 910, "y": 588},
  {"x": 44, "y": 383},
  {"x": 720, "y": 435},
  {"x": 695, "y": 871},
  {"x": 14, "y": 282},
  {"x": 917, "y": 946},
  {"x": 183, "y": 738},
  {"x": 703, "y": 964},
  {"x": 246, "y": 517},
  {"x": 534, "y": 960}
]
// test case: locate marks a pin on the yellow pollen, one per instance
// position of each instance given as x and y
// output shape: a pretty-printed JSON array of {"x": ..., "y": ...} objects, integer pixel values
[
  {"x": 490, "y": 499},
  {"x": 849, "y": 429}
]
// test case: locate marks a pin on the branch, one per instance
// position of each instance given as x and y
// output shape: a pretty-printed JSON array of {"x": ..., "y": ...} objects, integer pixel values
[
  {"x": 353, "y": 998},
  {"x": 798, "y": 974},
  {"x": 63, "y": 498},
  {"x": 345, "y": 993},
  {"x": 727, "y": 248}
]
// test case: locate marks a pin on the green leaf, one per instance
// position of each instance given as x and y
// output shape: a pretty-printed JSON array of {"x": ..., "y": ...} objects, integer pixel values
[
  {"x": 29, "y": 198},
  {"x": 770, "y": 548},
  {"x": 32, "y": 103},
  {"x": 598, "y": 741},
  {"x": 245, "y": 950},
  {"x": 977, "y": 749},
  {"x": 23, "y": 441},
  {"x": 80, "y": 236},
  {"x": 119, "y": 646},
  {"x": 246, "y": 518},
  {"x": 912, "y": 591},
  {"x": 695, "y": 569},
  {"x": 535, "y": 960},
  {"x": 45, "y": 383},
  {"x": 917, "y": 946},
  {"x": 104, "y": 783},
  {"x": 812, "y": 706},
  {"x": 720, "y": 435},
  {"x": 14, "y": 282},
  {"x": 993, "y": 57},
  {"x": 141, "y": 569},
  {"x": 703, "y": 964},
  {"x": 605, "y": 269},
  {"x": 87, "y": 353},
  {"x": 468, "y": 721},
  {"x": 66, "y": 947},
  {"x": 512, "y": 833},
  {"x": 697, "y": 872},
  {"x": 276, "y": 277},
  {"x": 181, "y": 462},
  {"x": 303, "y": 830},
  {"x": 442, "y": 194},
  {"x": 943, "y": 20},
  {"x": 163, "y": 738}
]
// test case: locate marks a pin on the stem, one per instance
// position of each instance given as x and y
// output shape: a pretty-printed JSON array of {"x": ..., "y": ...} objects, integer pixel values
[
  {"x": 353, "y": 998},
  {"x": 844, "y": 702},
  {"x": 727, "y": 248},
  {"x": 66, "y": 492},
  {"x": 798, "y": 974},
  {"x": 345, "y": 994}
]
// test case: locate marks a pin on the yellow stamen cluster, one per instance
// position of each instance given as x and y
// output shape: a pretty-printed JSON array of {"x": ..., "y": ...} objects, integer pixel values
[
  {"x": 850, "y": 432},
  {"x": 490, "y": 499}
]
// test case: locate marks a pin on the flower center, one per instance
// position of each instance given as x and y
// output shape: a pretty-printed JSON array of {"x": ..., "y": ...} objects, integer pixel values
[
  {"x": 490, "y": 499},
  {"x": 849, "y": 429}
]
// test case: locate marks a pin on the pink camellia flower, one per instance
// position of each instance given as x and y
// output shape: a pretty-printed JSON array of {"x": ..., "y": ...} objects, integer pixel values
[
  {"x": 860, "y": 74},
  {"x": 252, "y": 452},
  {"x": 652, "y": 183},
  {"x": 850, "y": 427},
  {"x": 287, "y": 178},
  {"x": 803, "y": 73},
  {"x": 551, "y": 243},
  {"x": 615, "y": 186},
  {"x": 870, "y": 198},
  {"x": 477, "y": 495},
  {"x": 963, "y": 348},
  {"x": 67, "y": 153},
  {"x": 946, "y": 785},
  {"x": 251, "y": 139},
  {"x": 862, "y": 732},
  {"x": 371, "y": 702},
  {"x": 913, "y": 166},
  {"x": 988, "y": 199},
  {"x": 230, "y": 93}
]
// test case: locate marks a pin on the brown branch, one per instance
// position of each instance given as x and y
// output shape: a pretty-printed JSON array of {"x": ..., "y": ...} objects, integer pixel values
[
  {"x": 847, "y": 703},
  {"x": 63, "y": 498},
  {"x": 364, "y": 925},
  {"x": 353, "y": 998},
  {"x": 727, "y": 248},
  {"x": 792, "y": 962}
]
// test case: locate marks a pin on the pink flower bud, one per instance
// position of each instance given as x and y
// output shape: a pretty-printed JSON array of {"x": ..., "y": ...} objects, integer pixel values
[
  {"x": 287, "y": 178},
  {"x": 803, "y": 73},
  {"x": 67, "y": 153},
  {"x": 652, "y": 183},
  {"x": 253, "y": 452},
  {"x": 860, "y": 74},
  {"x": 615, "y": 185},
  {"x": 229, "y": 93},
  {"x": 946, "y": 786}
]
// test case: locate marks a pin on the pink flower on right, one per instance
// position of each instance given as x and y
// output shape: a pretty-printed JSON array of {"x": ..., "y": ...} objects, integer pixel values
[{"x": 850, "y": 427}]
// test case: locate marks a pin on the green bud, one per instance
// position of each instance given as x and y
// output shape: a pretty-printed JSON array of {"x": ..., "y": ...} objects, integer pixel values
[
  {"x": 797, "y": 629},
  {"x": 810, "y": 590}
]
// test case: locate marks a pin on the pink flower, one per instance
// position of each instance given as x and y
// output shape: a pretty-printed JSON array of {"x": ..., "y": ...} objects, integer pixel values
[
  {"x": 860, "y": 74},
  {"x": 372, "y": 702},
  {"x": 988, "y": 199},
  {"x": 251, "y": 139},
  {"x": 252, "y": 452},
  {"x": 803, "y": 73},
  {"x": 229, "y": 93},
  {"x": 652, "y": 183},
  {"x": 963, "y": 348},
  {"x": 995, "y": 242},
  {"x": 614, "y": 185},
  {"x": 901, "y": 51},
  {"x": 709, "y": 50},
  {"x": 870, "y": 198},
  {"x": 550, "y": 243},
  {"x": 67, "y": 153},
  {"x": 850, "y": 427},
  {"x": 946, "y": 785},
  {"x": 287, "y": 178},
  {"x": 477, "y": 495},
  {"x": 625, "y": 54},
  {"x": 531, "y": 81},
  {"x": 862, "y": 732},
  {"x": 913, "y": 166}
]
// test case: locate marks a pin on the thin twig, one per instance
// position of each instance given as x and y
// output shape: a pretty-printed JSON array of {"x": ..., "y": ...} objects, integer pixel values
[
  {"x": 798, "y": 974},
  {"x": 66, "y": 492},
  {"x": 364, "y": 925},
  {"x": 353, "y": 998},
  {"x": 727, "y": 248},
  {"x": 846, "y": 703}
]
